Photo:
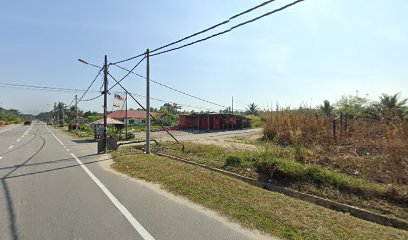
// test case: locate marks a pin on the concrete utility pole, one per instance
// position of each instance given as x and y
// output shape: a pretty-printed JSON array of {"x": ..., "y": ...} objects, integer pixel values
[
  {"x": 63, "y": 116},
  {"x": 76, "y": 114},
  {"x": 148, "y": 101},
  {"x": 105, "y": 104},
  {"x": 208, "y": 121},
  {"x": 57, "y": 113},
  {"x": 232, "y": 105},
  {"x": 126, "y": 117}
]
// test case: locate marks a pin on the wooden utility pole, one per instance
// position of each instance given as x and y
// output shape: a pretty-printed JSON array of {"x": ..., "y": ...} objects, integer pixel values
[
  {"x": 105, "y": 104},
  {"x": 148, "y": 101}
]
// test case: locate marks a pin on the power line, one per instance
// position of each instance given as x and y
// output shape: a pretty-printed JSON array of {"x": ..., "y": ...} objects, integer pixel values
[
  {"x": 101, "y": 68},
  {"x": 71, "y": 102},
  {"x": 12, "y": 85},
  {"x": 128, "y": 59},
  {"x": 230, "y": 29},
  {"x": 143, "y": 108},
  {"x": 90, "y": 99},
  {"x": 165, "y": 101},
  {"x": 118, "y": 82},
  {"x": 213, "y": 27},
  {"x": 171, "y": 88},
  {"x": 90, "y": 85}
]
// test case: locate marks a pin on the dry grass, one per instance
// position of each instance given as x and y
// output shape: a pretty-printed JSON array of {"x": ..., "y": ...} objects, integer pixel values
[
  {"x": 251, "y": 206},
  {"x": 373, "y": 149}
]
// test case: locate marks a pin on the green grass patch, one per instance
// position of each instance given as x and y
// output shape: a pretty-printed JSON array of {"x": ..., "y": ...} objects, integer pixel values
[
  {"x": 255, "y": 121},
  {"x": 253, "y": 207},
  {"x": 273, "y": 162}
]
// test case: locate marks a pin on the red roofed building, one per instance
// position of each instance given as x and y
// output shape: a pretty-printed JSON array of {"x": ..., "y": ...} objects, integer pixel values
[{"x": 134, "y": 117}]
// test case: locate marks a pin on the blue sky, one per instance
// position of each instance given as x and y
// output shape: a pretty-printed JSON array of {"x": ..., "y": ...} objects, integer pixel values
[{"x": 313, "y": 51}]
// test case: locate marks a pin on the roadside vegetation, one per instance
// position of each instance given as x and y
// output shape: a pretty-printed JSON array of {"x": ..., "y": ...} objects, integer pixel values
[
  {"x": 364, "y": 163},
  {"x": 10, "y": 116},
  {"x": 251, "y": 206}
]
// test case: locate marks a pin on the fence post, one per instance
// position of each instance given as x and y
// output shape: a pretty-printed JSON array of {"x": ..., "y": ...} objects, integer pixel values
[{"x": 346, "y": 121}]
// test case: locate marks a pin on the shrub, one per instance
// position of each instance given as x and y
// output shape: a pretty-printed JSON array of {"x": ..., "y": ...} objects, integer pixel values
[
  {"x": 233, "y": 160},
  {"x": 292, "y": 171}
]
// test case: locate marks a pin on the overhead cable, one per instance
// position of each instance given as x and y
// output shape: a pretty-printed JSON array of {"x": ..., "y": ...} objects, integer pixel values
[
  {"x": 228, "y": 30},
  {"x": 90, "y": 85},
  {"x": 143, "y": 107},
  {"x": 171, "y": 88}
]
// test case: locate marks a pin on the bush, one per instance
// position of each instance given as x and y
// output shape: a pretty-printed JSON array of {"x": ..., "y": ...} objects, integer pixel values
[
  {"x": 255, "y": 121},
  {"x": 233, "y": 160},
  {"x": 292, "y": 171}
]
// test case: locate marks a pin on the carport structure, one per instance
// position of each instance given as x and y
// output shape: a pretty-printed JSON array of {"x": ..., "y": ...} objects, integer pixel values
[{"x": 211, "y": 121}]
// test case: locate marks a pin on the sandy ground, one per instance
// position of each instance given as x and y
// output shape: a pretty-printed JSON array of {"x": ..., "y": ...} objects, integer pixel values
[{"x": 229, "y": 139}]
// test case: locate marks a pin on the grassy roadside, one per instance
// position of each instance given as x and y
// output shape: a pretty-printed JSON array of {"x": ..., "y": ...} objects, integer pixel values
[
  {"x": 253, "y": 207},
  {"x": 73, "y": 134},
  {"x": 279, "y": 164}
]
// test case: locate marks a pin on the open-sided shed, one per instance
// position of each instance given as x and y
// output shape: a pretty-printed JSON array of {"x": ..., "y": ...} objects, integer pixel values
[{"x": 211, "y": 121}]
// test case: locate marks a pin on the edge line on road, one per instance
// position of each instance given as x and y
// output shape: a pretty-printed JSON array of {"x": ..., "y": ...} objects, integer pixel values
[
  {"x": 54, "y": 136},
  {"x": 136, "y": 225},
  {"x": 28, "y": 130},
  {"x": 125, "y": 212}
]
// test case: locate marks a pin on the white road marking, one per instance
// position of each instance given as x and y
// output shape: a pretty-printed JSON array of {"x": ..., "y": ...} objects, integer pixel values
[
  {"x": 1, "y": 158},
  {"x": 28, "y": 130},
  {"x": 11, "y": 147},
  {"x": 136, "y": 225},
  {"x": 18, "y": 140},
  {"x": 132, "y": 220},
  {"x": 67, "y": 149},
  {"x": 54, "y": 136}
]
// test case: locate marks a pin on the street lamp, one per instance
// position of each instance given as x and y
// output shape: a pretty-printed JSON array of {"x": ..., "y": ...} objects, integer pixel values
[{"x": 87, "y": 63}]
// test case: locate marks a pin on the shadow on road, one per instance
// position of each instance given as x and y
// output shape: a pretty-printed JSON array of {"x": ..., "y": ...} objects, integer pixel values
[
  {"x": 55, "y": 169},
  {"x": 80, "y": 141},
  {"x": 9, "y": 200}
]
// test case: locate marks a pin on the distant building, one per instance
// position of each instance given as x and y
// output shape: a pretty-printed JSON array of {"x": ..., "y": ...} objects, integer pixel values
[
  {"x": 134, "y": 117},
  {"x": 212, "y": 121}
]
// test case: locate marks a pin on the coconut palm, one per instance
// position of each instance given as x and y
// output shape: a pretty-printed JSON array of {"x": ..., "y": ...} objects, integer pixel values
[
  {"x": 326, "y": 108},
  {"x": 391, "y": 102},
  {"x": 392, "y": 105},
  {"x": 59, "y": 109}
]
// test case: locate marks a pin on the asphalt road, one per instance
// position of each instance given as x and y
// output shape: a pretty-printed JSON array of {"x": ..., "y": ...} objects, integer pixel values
[{"x": 54, "y": 187}]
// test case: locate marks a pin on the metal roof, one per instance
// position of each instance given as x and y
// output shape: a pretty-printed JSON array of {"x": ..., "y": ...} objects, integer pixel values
[{"x": 109, "y": 120}]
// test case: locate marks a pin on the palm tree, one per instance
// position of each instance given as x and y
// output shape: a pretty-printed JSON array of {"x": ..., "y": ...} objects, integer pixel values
[
  {"x": 326, "y": 108},
  {"x": 392, "y": 105},
  {"x": 391, "y": 102},
  {"x": 59, "y": 108}
]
